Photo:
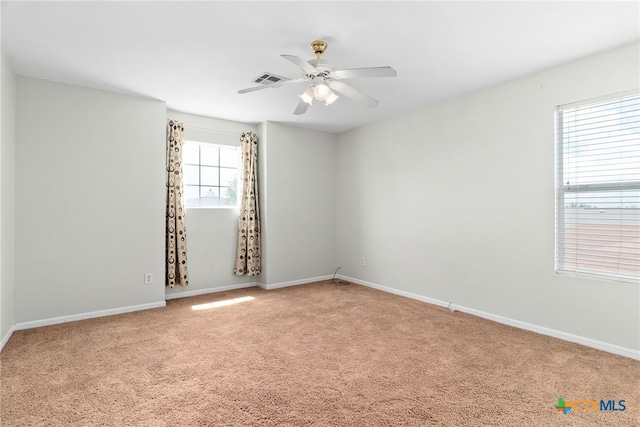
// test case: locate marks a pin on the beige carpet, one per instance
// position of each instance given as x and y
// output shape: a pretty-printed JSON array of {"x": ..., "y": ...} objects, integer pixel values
[{"x": 314, "y": 355}]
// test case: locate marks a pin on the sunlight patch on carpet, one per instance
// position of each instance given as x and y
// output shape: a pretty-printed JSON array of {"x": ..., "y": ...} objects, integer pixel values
[{"x": 222, "y": 303}]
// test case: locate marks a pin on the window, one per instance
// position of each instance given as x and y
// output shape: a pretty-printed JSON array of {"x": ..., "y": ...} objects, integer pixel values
[
  {"x": 598, "y": 187},
  {"x": 210, "y": 174}
]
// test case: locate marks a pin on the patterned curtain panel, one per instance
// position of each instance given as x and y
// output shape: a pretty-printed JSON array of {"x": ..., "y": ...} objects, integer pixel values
[
  {"x": 176, "y": 233},
  {"x": 248, "y": 259}
]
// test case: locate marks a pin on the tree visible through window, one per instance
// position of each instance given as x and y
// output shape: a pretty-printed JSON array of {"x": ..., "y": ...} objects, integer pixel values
[
  {"x": 598, "y": 187},
  {"x": 210, "y": 174}
]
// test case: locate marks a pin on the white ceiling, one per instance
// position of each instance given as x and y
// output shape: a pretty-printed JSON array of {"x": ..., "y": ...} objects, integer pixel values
[{"x": 197, "y": 55}]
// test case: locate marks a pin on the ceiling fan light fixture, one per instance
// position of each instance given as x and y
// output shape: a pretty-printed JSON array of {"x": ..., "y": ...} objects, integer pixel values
[
  {"x": 307, "y": 96},
  {"x": 321, "y": 92},
  {"x": 331, "y": 98}
]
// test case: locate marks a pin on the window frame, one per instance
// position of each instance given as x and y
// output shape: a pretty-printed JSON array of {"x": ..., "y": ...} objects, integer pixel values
[
  {"x": 562, "y": 188},
  {"x": 219, "y": 167}
]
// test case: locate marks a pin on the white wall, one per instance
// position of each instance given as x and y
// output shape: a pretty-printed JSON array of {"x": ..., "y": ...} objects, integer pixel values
[
  {"x": 90, "y": 200},
  {"x": 298, "y": 200},
  {"x": 211, "y": 233},
  {"x": 7, "y": 198},
  {"x": 455, "y": 202}
]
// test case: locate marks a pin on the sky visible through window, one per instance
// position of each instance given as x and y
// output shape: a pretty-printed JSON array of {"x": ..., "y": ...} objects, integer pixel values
[{"x": 602, "y": 146}]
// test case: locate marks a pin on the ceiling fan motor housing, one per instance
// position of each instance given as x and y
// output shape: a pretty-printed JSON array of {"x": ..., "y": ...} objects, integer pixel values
[{"x": 321, "y": 64}]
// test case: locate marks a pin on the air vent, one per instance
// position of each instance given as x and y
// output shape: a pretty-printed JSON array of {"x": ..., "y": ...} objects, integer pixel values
[{"x": 269, "y": 79}]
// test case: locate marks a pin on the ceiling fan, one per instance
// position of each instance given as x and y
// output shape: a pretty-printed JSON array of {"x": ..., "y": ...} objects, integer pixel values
[{"x": 326, "y": 82}]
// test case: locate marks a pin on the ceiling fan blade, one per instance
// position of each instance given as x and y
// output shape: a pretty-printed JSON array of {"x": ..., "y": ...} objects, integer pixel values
[
  {"x": 253, "y": 89},
  {"x": 273, "y": 85},
  {"x": 353, "y": 93},
  {"x": 301, "y": 108},
  {"x": 365, "y": 72},
  {"x": 308, "y": 68}
]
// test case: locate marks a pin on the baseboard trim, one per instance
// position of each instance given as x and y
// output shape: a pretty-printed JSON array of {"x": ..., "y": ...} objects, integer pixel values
[
  {"x": 294, "y": 282},
  {"x": 394, "y": 291},
  {"x": 210, "y": 290},
  {"x": 88, "y": 315},
  {"x": 588, "y": 342},
  {"x": 5, "y": 340}
]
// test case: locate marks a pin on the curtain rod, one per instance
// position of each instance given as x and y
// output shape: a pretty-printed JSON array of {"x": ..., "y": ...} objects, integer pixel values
[{"x": 187, "y": 126}]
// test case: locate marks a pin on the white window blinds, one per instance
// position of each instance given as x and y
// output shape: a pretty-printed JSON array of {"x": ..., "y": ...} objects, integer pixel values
[{"x": 598, "y": 187}]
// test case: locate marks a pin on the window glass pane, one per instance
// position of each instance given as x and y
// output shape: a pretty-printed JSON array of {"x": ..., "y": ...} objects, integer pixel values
[
  {"x": 229, "y": 156},
  {"x": 190, "y": 175},
  {"x": 191, "y": 196},
  {"x": 190, "y": 153},
  {"x": 209, "y": 155},
  {"x": 601, "y": 142},
  {"x": 229, "y": 196},
  {"x": 228, "y": 177},
  {"x": 209, "y": 175},
  {"x": 209, "y": 196}
]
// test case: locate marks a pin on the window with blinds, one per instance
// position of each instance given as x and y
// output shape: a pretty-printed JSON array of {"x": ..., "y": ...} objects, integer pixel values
[{"x": 598, "y": 187}]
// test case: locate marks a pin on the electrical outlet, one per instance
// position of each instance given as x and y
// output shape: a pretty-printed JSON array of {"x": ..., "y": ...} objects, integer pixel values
[
  {"x": 148, "y": 278},
  {"x": 362, "y": 261}
]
